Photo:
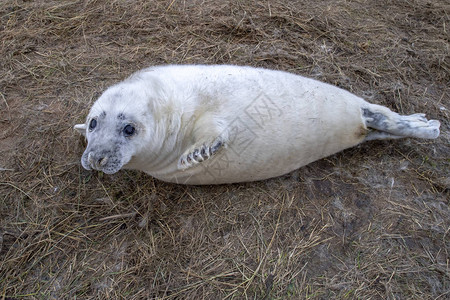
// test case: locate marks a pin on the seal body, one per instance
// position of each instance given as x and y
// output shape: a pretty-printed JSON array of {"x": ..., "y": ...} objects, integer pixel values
[{"x": 223, "y": 124}]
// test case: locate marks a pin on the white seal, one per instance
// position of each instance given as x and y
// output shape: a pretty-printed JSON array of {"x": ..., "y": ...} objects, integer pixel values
[{"x": 223, "y": 124}]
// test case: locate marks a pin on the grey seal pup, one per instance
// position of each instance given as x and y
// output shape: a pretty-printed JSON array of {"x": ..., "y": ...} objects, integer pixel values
[{"x": 198, "y": 124}]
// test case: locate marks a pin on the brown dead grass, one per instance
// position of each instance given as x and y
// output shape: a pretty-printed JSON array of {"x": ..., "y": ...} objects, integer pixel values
[{"x": 372, "y": 222}]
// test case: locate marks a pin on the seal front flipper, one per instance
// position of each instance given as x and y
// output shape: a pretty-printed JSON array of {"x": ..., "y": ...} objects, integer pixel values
[
  {"x": 208, "y": 137},
  {"x": 200, "y": 154},
  {"x": 81, "y": 128}
]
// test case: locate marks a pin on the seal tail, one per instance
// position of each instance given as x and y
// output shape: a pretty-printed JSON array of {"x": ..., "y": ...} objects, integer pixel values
[{"x": 386, "y": 124}]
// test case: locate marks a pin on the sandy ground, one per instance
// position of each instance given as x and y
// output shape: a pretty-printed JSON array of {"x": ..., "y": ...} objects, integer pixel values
[{"x": 372, "y": 222}]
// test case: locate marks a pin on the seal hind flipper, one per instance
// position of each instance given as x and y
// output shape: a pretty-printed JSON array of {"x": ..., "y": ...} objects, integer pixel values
[{"x": 386, "y": 124}]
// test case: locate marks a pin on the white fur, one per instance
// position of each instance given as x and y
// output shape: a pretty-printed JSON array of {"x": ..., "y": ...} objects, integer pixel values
[{"x": 250, "y": 124}]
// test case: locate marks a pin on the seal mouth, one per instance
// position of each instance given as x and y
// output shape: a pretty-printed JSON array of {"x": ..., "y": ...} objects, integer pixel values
[{"x": 109, "y": 171}]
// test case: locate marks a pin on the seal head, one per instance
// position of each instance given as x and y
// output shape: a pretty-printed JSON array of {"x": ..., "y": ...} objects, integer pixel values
[
  {"x": 113, "y": 132},
  {"x": 110, "y": 145}
]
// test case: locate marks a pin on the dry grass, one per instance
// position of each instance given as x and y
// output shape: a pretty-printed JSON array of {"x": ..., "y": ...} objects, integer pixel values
[{"x": 372, "y": 222}]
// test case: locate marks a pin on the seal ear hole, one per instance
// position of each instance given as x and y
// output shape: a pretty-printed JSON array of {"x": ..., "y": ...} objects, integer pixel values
[
  {"x": 129, "y": 130},
  {"x": 92, "y": 124}
]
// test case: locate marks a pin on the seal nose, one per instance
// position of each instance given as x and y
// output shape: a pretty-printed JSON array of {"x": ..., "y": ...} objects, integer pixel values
[{"x": 97, "y": 162}]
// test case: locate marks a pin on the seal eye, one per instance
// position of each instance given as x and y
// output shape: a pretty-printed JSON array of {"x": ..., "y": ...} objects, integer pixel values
[
  {"x": 92, "y": 124},
  {"x": 129, "y": 130}
]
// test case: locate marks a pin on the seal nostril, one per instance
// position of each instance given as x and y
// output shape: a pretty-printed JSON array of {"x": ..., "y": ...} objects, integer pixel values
[
  {"x": 102, "y": 161},
  {"x": 90, "y": 159}
]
